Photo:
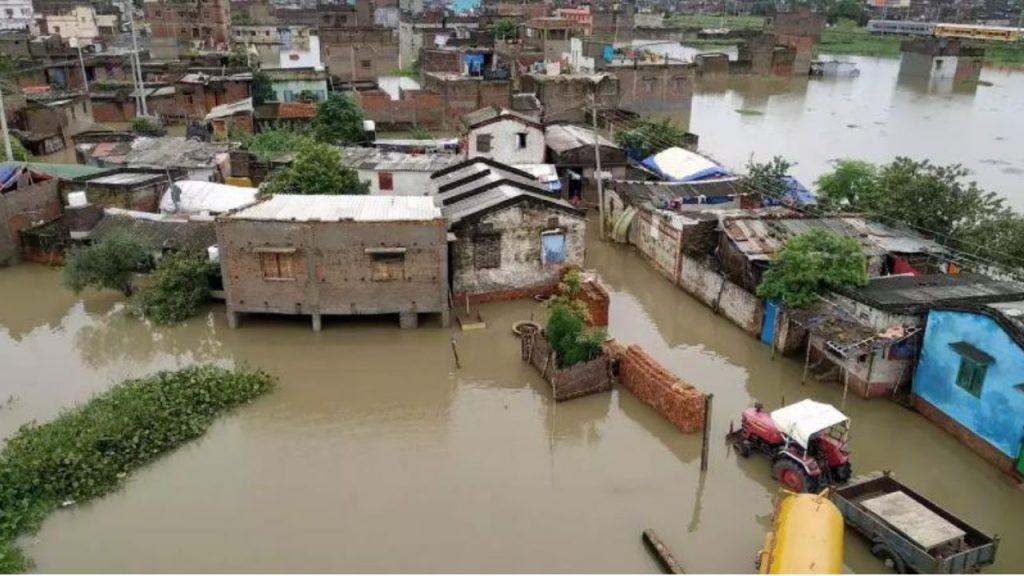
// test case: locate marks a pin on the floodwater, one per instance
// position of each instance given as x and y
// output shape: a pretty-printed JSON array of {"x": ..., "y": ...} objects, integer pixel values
[
  {"x": 875, "y": 116},
  {"x": 376, "y": 454}
]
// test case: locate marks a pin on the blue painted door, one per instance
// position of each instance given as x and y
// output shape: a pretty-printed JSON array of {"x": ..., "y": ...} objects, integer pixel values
[
  {"x": 554, "y": 248},
  {"x": 771, "y": 311}
]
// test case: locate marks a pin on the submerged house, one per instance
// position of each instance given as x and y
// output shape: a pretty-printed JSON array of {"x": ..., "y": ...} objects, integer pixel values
[
  {"x": 970, "y": 379},
  {"x": 335, "y": 255},
  {"x": 511, "y": 237}
]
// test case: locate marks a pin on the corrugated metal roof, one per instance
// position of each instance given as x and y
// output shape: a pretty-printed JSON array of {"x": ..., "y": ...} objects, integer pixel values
[
  {"x": 323, "y": 208},
  {"x": 155, "y": 232},
  {"x": 488, "y": 199},
  {"x": 564, "y": 137},
  {"x": 225, "y": 110},
  {"x": 197, "y": 197},
  {"x": 127, "y": 178},
  {"x": 480, "y": 169},
  {"x": 377, "y": 159},
  {"x": 905, "y": 292},
  {"x": 489, "y": 113}
]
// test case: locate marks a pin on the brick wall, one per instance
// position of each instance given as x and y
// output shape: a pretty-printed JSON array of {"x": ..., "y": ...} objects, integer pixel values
[
  {"x": 434, "y": 60},
  {"x": 416, "y": 108},
  {"x": 672, "y": 83},
  {"x": 566, "y": 383},
  {"x": 976, "y": 443},
  {"x": 104, "y": 111},
  {"x": 652, "y": 383},
  {"x": 732, "y": 301},
  {"x": 595, "y": 297}
]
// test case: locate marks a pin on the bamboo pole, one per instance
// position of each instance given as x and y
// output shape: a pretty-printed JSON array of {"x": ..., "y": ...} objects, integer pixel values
[
  {"x": 661, "y": 554},
  {"x": 706, "y": 433}
]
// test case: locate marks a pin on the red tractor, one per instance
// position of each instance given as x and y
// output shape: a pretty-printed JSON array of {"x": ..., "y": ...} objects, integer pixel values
[{"x": 806, "y": 442}]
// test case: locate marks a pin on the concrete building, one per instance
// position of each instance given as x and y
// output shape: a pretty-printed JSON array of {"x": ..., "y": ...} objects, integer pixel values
[
  {"x": 296, "y": 84},
  {"x": 551, "y": 35},
  {"x": 81, "y": 22},
  {"x": 461, "y": 95},
  {"x": 53, "y": 121},
  {"x": 512, "y": 238},
  {"x": 502, "y": 135},
  {"x": 941, "y": 59},
  {"x": 395, "y": 173},
  {"x": 136, "y": 189},
  {"x": 565, "y": 97},
  {"x": 969, "y": 379},
  {"x": 179, "y": 26},
  {"x": 28, "y": 197},
  {"x": 335, "y": 255},
  {"x": 16, "y": 14},
  {"x": 653, "y": 85},
  {"x": 800, "y": 30},
  {"x": 416, "y": 31}
]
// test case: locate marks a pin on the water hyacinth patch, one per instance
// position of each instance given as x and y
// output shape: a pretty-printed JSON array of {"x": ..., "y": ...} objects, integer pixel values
[{"x": 86, "y": 451}]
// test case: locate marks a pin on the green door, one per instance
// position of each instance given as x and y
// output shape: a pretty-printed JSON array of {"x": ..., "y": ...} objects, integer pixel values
[{"x": 1020, "y": 461}]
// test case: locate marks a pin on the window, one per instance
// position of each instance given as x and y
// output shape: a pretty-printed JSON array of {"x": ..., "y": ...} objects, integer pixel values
[
  {"x": 364, "y": 64},
  {"x": 388, "y": 264},
  {"x": 553, "y": 247},
  {"x": 520, "y": 140},
  {"x": 973, "y": 366},
  {"x": 385, "y": 181},
  {"x": 277, "y": 265},
  {"x": 487, "y": 251},
  {"x": 483, "y": 142}
]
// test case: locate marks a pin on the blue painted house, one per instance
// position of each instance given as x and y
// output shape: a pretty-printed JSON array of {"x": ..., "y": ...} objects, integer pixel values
[{"x": 970, "y": 378}]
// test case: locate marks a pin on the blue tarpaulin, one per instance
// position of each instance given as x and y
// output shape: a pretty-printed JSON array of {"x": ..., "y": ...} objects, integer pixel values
[
  {"x": 474, "y": 63},
  {"x": 608, "y": 53},
  {"x": 8, "y": 172},
  {"x": 796, "y": 194}
]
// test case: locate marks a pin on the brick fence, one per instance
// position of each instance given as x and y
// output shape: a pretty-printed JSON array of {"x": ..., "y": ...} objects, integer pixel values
[
  {"x": 595, "y": 297},
  {"x": 566, "y": 383},
  {"x": 677, "y": 401}
]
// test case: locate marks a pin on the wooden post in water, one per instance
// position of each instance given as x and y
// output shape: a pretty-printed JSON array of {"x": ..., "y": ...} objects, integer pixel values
[
  {"x": 807, "y": 360},
  {"x": 455, "y": 353},
  {"x": 707, "y": 432},
  {"x": 661, "y": 554}
]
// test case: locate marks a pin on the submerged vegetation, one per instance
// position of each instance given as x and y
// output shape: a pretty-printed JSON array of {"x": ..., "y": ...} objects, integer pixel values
[
  {"x": 87, "y": 451},
  {"x": 181, "y": 284},
  {"x": 566, "y": 329}
]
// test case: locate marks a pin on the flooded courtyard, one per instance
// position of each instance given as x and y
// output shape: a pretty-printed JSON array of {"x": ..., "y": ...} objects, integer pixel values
[{"x": 376, "y": 454}]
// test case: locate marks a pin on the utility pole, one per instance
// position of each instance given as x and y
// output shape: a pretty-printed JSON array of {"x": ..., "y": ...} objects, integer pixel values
[
  {"x": 3, "y": 128},
  {"x": 597, "y": 162},
  {"x": 136, "y": 64},
  {"x": 81, "y": 63}
]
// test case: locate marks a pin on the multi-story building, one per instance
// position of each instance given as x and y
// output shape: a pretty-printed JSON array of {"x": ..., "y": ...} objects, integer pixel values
[
  {"x": 16, "y": 14},
  {"x": 81, "y": 22},
  {"x": 183, "y": 25}
]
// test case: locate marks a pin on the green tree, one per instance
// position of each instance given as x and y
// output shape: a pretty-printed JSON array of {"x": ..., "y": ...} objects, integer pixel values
[
  {"x": 768, "y": 178},
  {"x": 21, "y": 154},
  {"x": 505, "y": 29},
  {"x": 110, "y": 263},
  {"x": 317, "y": 169},
  {"x": 846, "y": 185},
  {"x": 651, "y": 137},
  {"x": 339, "y": 121},
  {"x": 181, "y": 285},
  {"x": 262, "y": 89},
  {"x": 271, "y": 144},
  {"x": 810, "y": 264}
]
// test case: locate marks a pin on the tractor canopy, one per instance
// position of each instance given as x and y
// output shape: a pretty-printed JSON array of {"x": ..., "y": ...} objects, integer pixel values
[{"x": 806, "y": 418}]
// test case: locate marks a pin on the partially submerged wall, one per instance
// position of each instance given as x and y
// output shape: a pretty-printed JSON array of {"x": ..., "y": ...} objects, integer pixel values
[
  {"x": 677, "y": 401},
  {"x": 566, "y": 383},
  {"x": 730, "y": 300}
]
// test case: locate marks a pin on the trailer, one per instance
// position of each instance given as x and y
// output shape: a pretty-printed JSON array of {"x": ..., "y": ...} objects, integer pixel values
[{"x": 909, "y": 532}]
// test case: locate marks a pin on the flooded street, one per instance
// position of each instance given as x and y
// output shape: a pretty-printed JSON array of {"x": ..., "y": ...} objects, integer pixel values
[
  {"x": 374, "y": 454},
  {"x": 875, "y": 116}
]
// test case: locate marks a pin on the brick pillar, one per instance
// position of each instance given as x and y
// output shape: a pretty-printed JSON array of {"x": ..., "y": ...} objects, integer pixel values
[{"x": 408, "y": 320}]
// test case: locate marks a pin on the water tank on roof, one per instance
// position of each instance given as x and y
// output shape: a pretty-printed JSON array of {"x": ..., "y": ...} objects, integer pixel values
[
  {"x": 214, "y": 253},
  {"x": 77, "y": 199}
]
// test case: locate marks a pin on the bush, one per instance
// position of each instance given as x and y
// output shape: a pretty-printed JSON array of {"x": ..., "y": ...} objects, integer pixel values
[
  {"x": 568, "y": 338},
  {"x": 181, "y": 285},
  {"x": 145, "y": 125},
  {"x": 339, "y": 121},
  {"x": 110, "y": 263},
  {"x": 86, "y": 451}
]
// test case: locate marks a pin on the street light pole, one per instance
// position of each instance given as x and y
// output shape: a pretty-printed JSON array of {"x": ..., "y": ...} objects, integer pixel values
[
  {"x": 81, "y": 63},
  {"x": 130, "y": 8}
]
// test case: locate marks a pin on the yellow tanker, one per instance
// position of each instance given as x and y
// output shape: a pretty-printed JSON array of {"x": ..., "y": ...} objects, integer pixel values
[{"x": 806, "y": 536}]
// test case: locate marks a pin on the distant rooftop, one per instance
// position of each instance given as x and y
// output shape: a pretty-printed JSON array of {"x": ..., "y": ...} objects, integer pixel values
[
  {"x": 323, "y": 208},
  {"x": 378, "y": 159},
  {"x": 912, "y": 294}
]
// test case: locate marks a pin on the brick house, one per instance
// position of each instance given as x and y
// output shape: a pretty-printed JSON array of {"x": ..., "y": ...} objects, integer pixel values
[
  {"x": 127, "y": 188},
  {"x": 28, "y": 197},
  {"x": 464, "y": 94},
  {"x": 183, "y": 25},
  {"x": 565, "y": 97},
  {"x": 511, "y": 239},
  {"x": 359, "y": 53},
  {"x": 335, "y": 255}
]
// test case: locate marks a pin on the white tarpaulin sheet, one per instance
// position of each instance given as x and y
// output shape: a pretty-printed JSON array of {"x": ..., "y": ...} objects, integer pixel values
[
  {"x": 210, "y": 197},
  {"x": 801, "y": 420},
  {"x": 681, "y": 165}
]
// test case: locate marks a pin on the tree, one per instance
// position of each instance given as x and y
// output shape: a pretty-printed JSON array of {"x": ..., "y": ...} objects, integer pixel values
[
  {"x": 110, "y": 263},
  {"x": 768, "y": 178},
  {"x": 651, "y": 137},
  {"x": 317, "y": 169},
  {"x": 846, "y": 185},
  {"x": 811, "y": 263},
  {"x": 505, "y": 29},
  {"x": 21, "y": 154},
  {"x": 339, "y": 121},
  {"x": 270, "y": 144},
  {"x": 181, "y": 284},
  {"x": 262, "y": 89}
]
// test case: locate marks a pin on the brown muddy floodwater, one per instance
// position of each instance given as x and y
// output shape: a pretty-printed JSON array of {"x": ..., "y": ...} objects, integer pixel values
[
  {"x": 875, "y": 116},
  {"x": 375, "y": 454}
]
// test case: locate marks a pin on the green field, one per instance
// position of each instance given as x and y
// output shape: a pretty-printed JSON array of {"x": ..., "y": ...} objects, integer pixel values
[{"x": 711, "y": 21}]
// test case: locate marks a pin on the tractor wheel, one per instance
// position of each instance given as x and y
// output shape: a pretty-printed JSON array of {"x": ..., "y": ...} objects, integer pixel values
[
  {"x": 891, "y": 559},
  {"x": 793, "y": 477},
  {"x": 743, "y": 448},
  {"x": 842, "y": 473}
]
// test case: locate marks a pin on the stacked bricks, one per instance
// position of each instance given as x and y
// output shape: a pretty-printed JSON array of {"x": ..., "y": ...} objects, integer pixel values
[
  {"x": 649, "y": 381},
  {"x": 595, "y": 297}
]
